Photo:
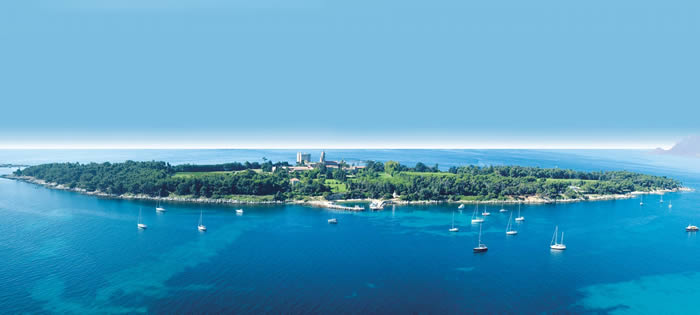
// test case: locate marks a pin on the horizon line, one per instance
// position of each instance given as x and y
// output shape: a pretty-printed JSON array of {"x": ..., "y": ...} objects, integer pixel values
[{"x": 477, "y": 147}]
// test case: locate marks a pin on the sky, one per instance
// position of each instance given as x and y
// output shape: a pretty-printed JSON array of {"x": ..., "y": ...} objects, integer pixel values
[{"x": 348, "y": 74}]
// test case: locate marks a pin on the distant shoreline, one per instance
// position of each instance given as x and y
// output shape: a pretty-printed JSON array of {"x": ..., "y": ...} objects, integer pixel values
[
  {"x": 9, "y": 165},
  {"x": 320, "y": 202}
]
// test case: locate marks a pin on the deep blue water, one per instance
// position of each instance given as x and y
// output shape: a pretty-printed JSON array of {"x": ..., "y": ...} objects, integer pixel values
[{"x": 67, "y": 253}]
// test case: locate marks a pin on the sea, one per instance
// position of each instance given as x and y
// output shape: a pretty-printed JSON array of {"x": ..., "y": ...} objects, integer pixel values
[{"x": 63, "y": 252}]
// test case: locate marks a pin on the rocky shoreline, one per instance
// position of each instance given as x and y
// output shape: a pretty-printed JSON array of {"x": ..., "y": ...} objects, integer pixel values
[{"x": 331, "y": 204}]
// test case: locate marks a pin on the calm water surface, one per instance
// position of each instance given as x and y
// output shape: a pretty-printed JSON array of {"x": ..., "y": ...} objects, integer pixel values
[{"x": 67, "y": 253}]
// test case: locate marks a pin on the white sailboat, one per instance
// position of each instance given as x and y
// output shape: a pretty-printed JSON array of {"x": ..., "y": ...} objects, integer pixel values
[
  {"x": 159, "y": 208},
  {"x": 486, "y": 212},
  {"x": 509, "y": 227},
  {"x": 139, "y": 224},
  {"x": 239, "y": 211},
  {"x": 691, "y": 228},
  {"x": 662, "y": 199},
  {"x": 503, "y": 209},
  {"x": 201, "y": 226},
  {"x": 333, "y": 221},
  {"x": 475, "y": 218},
  {"x": 670, "y": 205},
  {"x": 453, "y": 229},
  {"x": 641, "y": 201},
  {"x": 556, "y": 244},
  {"x": 461, "y": 206},
  {"x": 519, "y": 218},
  {"x": 480, "y": 247}
]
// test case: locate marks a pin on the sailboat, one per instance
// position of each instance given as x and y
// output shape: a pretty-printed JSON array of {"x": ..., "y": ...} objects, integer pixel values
[
  {"x": 461, "y": 206},
  {"x": 691, "y": 228},
  {"x": 333, "y": 221},
  {"x": 509, "y": 227},
  {"x": 486, "y": 212},
  {"x": 159, "y": 208},
  {"x": 453, "y": 229},
  {"x": 641, "y": 201},
  {"x": 670, "y": 205},
  {"x": 239, "y": 211},
  {"x": 201, "y": 226},
  {"x": 662, "y": 199},
  {"x": 519, "y": 218},
  {"x": 139, "y": 224},
  {"x": 555, "y": 244},
  {"x": 476, "y": 219},
  {"x": 480, "y": 248},
  {"x": 503, "y": 209}
]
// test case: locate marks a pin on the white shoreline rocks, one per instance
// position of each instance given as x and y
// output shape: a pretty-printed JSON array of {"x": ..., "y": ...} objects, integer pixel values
[{"x": 329, "y": 204}]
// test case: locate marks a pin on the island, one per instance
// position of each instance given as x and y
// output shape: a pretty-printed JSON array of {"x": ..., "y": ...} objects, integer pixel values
[{"x": 327, "y": 182}]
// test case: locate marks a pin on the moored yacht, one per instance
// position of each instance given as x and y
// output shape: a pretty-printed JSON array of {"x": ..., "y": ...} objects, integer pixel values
[
  {"x": 159, "y": 208},
  {"x": 453, "y": 229},
  {"x": 475, "y": 218},
  {"x": 509, "y": 227},
  {"x": 239, "y": 211},
  {"x": 503, "y": 209},
  {"x": 519, "y": 218},
  {"x": 140, "y": 224},
  {"x": 556, "y": 244},
  {"x": 201, "y": 226},
  {"x": 691, "y": 228},
  {"x": 486, "y": 212},
  {"x": 333, "y": 221},
  {"x": 480, "y": 247},
  {"x": 461, "y": 206}
]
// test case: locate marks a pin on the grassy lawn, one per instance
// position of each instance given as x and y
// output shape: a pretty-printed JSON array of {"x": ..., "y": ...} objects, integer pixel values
[{"x": 336, "y": 186}]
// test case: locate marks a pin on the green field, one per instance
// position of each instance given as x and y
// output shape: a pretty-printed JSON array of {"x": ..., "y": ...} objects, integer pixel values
[{"x": 336, "y": 186}]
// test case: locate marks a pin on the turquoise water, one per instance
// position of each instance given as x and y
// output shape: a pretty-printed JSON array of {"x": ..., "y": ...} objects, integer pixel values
[{"x": 67, "y": 253}]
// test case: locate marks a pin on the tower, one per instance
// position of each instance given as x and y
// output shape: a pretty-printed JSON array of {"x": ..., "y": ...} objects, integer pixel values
[{"x": 323, "y": 157}]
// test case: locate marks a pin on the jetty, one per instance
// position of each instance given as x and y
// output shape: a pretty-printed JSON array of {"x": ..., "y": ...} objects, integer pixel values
[{"x": 335, "y": 206}]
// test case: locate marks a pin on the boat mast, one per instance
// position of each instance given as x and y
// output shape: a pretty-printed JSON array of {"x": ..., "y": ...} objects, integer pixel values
[
  {"x": 479, "y": 234},
  {"x": 562, "y": 238}
]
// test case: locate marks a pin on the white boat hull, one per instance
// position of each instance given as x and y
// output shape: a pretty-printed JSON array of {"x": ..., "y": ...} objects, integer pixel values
[
  {"x": 511, "y": 232},
  {"x": 142, "y": 226},
  {"x": 558, "y": 247},
  {"x": 520, "y": 219},
  {"x": 454, "y": 230},
  {"x": 477, "y": 221}
]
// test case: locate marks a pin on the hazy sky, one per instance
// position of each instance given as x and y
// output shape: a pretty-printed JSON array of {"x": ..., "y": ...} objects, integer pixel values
[{"x": 316, "y": 73}]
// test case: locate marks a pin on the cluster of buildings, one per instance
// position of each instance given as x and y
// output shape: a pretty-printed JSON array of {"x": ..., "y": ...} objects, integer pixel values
[{"x": 304, "y": 163}]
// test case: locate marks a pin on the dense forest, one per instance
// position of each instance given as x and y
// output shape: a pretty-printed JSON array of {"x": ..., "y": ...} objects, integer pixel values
[{"x": 376, "y": 180}]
